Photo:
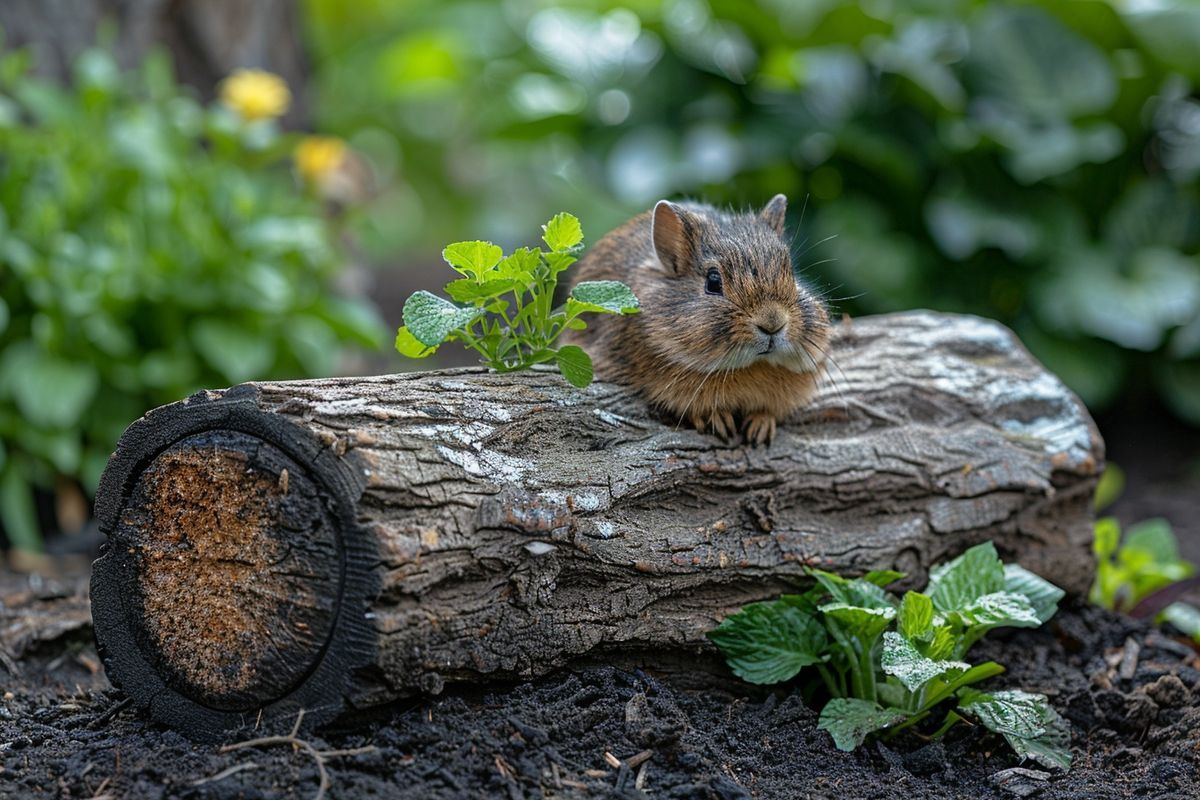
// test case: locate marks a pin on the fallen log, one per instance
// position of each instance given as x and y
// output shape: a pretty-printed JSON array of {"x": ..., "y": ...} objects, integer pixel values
[{"x": 313, "y": 544}]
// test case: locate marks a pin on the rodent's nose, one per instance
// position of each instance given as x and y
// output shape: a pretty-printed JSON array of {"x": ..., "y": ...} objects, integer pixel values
[{"x": 771, "y": 327}]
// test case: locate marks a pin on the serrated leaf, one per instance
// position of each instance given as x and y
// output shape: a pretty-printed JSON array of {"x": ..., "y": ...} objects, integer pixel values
[
  {"x": 575, "y": 365},
  {"x": 850, "y": 720},
  {"x": 901, "y": 659},
  {"x": 916, "y": 615},
  {"x": 1027, "y": 721},
  {"x": 606, "y": 297},
  {"x": 961, "y": 581},
  {"x": 941, "y": 644},
  {"x": 863, "y": 623},
  {"x": 473, "y": 259},
  {"x": 769, "y": 642},
  {"x": 563, "y": 232},
  {"x": 466, "y": 290},
  {"x": 408, "y": 345},
  {"x": 557, "y": 262},
  {"x": 520, "y": 265},
  {"x": 999, "y": 609},
  {"x": 1041, "y": 593},
  {"x": 430, "y": 318},
  {"x": 856, "y": 592}
]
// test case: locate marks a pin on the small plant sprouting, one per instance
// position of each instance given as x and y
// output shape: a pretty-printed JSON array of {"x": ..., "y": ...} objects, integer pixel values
[
  {"x": 888, "y": 663},
  {"x": 503, "y": 306}
]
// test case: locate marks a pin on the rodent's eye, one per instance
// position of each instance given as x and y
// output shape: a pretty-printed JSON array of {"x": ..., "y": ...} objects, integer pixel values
[{"x": 712, "y": 283}]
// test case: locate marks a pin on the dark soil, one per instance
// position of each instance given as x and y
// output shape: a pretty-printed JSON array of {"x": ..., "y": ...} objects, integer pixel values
[{"x": 1131, "y": 693}]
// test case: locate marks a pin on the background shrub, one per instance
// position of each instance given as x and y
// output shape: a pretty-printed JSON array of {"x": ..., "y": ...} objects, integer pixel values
[
  {"x": 1035, "y": 162},
  {"x": 148, "y": 248}
]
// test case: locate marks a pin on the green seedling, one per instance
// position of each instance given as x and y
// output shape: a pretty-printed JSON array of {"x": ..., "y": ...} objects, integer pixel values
[
  {"x": 503, "y": 306},
  {"x": 888, "y": 663}
]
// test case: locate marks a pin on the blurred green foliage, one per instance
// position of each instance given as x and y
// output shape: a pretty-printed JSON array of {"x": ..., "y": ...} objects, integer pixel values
[
  {"x": 148, "y": 248},
  {"x": 1030, "y": 161}
]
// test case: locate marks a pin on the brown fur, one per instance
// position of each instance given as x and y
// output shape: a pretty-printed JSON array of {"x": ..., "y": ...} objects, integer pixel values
[{"x": 708, "y": 358}]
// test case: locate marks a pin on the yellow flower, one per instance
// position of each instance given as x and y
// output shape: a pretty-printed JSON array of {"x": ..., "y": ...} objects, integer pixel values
[
  {"x": 255, "y": 94},
  {"x": 317, "y": 157}
]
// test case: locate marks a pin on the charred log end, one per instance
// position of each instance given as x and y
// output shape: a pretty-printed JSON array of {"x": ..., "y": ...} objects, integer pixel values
[{"x": 234, "y": 582}]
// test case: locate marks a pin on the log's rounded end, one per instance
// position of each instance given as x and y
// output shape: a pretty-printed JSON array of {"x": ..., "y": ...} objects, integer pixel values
[
  {"x": 233, "y": 586},
  {"x": 229, "y": 541}
]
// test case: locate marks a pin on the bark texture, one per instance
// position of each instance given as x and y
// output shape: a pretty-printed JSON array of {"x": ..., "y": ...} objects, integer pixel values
[{"x": 470, "y": 525}]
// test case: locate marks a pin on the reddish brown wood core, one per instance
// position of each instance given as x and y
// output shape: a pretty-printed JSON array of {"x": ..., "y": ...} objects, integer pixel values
[{"x": 237, "y": 569}]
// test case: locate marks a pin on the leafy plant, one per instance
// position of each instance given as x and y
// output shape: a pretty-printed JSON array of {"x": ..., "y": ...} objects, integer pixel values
[
  {"x": 509, "y": 317},
  {"x": 149, "y": 246},
  {"x": 1143, "y": 574},
  {"x": 889, "y": 663}
]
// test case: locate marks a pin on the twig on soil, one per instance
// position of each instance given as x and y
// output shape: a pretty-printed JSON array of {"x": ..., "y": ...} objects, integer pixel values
[
  {"x": 107, "y": 716},
  {"x": 318, "y": 756},
  {"x": 225, "y": 773}
]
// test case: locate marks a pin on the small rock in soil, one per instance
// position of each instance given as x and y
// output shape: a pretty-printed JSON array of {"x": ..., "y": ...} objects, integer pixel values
[{"x": 1021, "y": 782}]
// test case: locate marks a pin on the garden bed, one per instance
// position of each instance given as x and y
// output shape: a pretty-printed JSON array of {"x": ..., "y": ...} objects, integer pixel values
[{"x": 1131, "y": 693}]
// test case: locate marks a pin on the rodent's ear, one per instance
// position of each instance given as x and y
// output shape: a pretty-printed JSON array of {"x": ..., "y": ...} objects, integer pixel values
[
  {"x": 774, "y": 213},
  {"x": 672, "y": 238}
]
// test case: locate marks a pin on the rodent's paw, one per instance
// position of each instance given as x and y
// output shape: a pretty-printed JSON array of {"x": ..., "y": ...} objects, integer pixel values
[
  {"x": 759, "y": 428},
  {"x": 719, "y": 422}
]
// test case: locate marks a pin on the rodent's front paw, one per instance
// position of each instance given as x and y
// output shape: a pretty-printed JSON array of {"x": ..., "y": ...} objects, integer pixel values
[
  {"x": 719, "y": 422},
  {"x": 759, "y": 428}
]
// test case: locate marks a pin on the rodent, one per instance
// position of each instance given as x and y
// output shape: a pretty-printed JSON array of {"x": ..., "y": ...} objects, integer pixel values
[{"x": 727, "y": 330}]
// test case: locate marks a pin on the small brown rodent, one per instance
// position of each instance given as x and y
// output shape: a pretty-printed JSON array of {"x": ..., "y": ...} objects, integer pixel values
[{"x": 727, "y": 330}]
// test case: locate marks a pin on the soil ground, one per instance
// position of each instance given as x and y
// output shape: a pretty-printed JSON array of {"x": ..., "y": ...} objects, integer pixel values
[{"x": 1130, "y": 691}]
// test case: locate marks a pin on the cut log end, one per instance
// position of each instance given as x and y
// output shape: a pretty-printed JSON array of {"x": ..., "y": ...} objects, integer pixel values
[
  {"x": 232, "y": 557},
  {"x": 228, "y": 540}
]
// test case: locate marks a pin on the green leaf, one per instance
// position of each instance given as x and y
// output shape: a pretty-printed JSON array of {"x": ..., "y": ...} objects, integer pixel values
[
  {"x": 769, "y": 642},
  {"x": 17, "y": 511},
  {"x": 1026, "y": 720},
  {"x": 863, "y": 623},
  {"x": 237, "y": 353},
  {"x": 520, "y": 265},
  {"x": 850, "y": 720},
  {"x": 1107, "y": 537},
  {"x": 1041, "y": 593},
  {"x": 473, "y": 259},
  {"x": 575, "y": 365},
  {"x": 430, "y": 318},
  {"x": 606, "y": 297},
  {"x": 997, "y": 610},
  {"x": 941, "y": 643},
  {"x": 916, "y": 615},
  {"x": 557, "y": 262},
  {"x": 49, "y": 391},
  {"x": 563, "y": 232},
  {"x": 1155, "y": 538},
  {"x": 465, "y": 290},
  {"x": 961, "y": 581},
  {"x": 1112, "y": 483},
  {"x": 409, "y": 346},
  {"x": 856, "y": 592},
  {"x": 1185, "y": 617},
  {"x": 901, "y": 659},
  {"x": 883, "y": 577}
]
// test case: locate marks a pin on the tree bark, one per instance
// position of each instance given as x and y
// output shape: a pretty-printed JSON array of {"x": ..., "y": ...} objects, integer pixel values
[{"x": 306, "y": 544}]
